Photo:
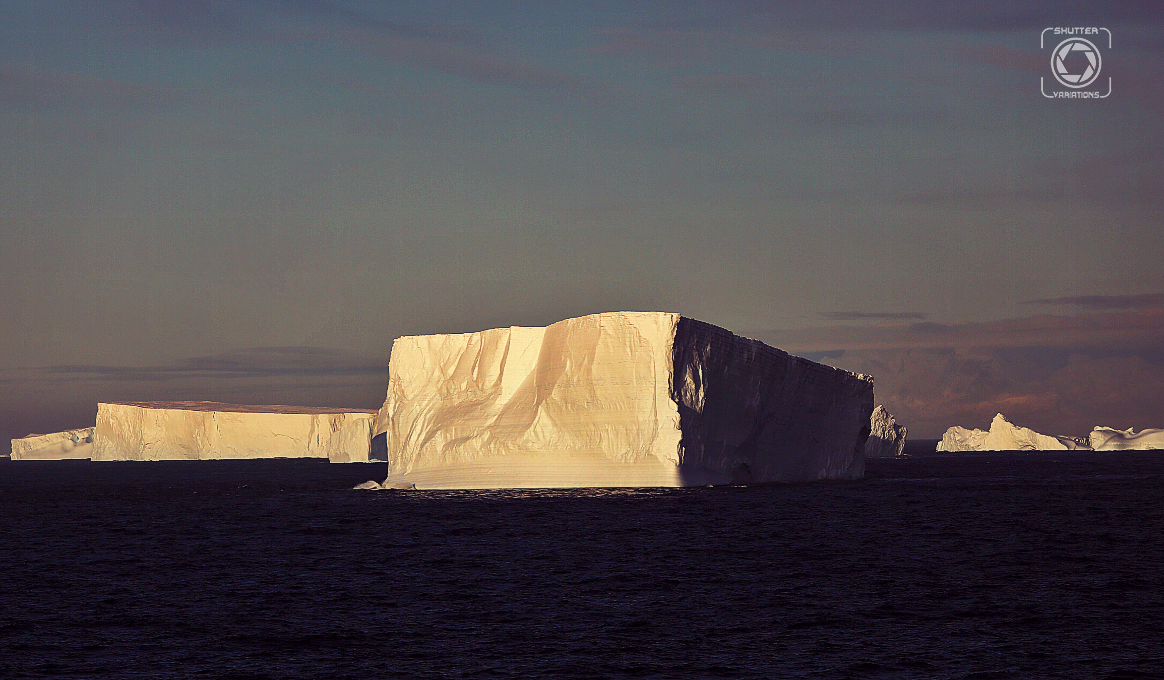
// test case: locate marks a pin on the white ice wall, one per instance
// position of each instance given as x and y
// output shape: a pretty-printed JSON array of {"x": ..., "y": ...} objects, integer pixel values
[
  {"x": 55, "y": 446},
  {"x": 595, "y": 401},
  {"x": 203, "y": 430},
  {"x": 583, "y": 402}
]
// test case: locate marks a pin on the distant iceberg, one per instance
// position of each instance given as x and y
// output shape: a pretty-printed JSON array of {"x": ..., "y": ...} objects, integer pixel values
[
  {"x": 616, "y": 399},
  {"x": 1005, "y": 436},
  {"x": 1002, "y": 436},
  {"x": 197, "y": 430},
  {"x": 1111, "y": 439},
  {"x": 69, "y": 444}
]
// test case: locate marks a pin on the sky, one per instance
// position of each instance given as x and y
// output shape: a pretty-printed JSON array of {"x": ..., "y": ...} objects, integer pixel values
[{"x": 248, "y": 201}]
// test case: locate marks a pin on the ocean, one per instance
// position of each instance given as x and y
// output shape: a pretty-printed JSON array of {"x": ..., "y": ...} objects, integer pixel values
[{"x": 1000, "y": 565}]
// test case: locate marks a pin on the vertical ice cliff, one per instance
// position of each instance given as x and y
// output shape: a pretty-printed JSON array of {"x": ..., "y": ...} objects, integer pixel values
[
  {"x": 886, "y": 437},
  {"x": 615, "y": 399},
  {"x": 55, "y": 446},
  {"x": 750, "y": 412},
  {"x": 205, "y": 430}
]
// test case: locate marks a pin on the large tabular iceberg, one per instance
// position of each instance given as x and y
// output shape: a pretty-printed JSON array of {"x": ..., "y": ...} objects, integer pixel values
[
  {"x": 56, "y": 446},
  {"x": 205, "y": 430},
  {"x": 616, "y": 399}
]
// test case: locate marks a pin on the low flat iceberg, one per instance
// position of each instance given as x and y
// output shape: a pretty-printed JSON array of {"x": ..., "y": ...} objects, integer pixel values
[
  {"x": 70, "y": 444},
  {"x": 200, "y": 430}
]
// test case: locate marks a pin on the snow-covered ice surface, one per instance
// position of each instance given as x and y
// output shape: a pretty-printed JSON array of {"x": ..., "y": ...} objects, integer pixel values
[
  {"x": 55, "y": 446},
  {"x": 886, "y": 437},
  {"x": 207, "y": 430},
  {"x": 619, "y": 399}
]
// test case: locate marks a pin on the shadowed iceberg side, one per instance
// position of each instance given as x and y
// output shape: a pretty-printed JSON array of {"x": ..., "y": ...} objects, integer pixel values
[{"x": 749, "y": 412}]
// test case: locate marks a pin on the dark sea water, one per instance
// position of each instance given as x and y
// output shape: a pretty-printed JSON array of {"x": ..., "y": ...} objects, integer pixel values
[{"x": 962, "y": 566}]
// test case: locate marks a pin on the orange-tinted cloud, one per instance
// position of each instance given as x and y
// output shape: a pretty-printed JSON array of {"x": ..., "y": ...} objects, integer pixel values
[
  {"x": 1114, "y": 330},
  {"x": 1057, "y": 374}
]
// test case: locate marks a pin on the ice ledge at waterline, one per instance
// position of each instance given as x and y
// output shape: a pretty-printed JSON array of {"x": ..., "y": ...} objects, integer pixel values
[
  {"x": 616, "y": 399},
  {"x": 205, "y": 430}
]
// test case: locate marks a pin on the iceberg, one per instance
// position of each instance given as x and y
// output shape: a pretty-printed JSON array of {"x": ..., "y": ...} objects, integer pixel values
[
  {"x": 886, "y": 437},
  {"x": 615, "y": 399},
  {"x": 1003, "y": 436},
  {"x": 55, "y": 446},
  {"x": 199, "y": 430},
  {"x": 1111, "y": 439},
  {"x": 958, "y": 438}
]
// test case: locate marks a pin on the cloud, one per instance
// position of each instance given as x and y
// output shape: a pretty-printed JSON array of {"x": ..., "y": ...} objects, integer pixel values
[
  {"x": 1057, "y": 374},
  {"x": 925, "y": 15},
  {"x": 23, "y": 84},
  {"x": 445, "y": 48},
  {"x": 329, "y": 10},
  {"x": 453, "y": 57},
  {"x": 188, "y": 16},
  {"x": 1097, "y": 302},
  {"x": 1026, "y": 61},
  {"x": 257, "y": 362},
  {"x": 667, "y": 46},
  {"x": 1054, "y": 392},
  {"x": 724, "y": 82},
  {"x": 1115, "y": 330},
  {"x": 882, "y": 316}
]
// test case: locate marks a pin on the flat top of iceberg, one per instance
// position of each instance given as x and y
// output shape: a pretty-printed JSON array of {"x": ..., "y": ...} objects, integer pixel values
[
  {"x": 584, "y": 316},
  {"x": 238, "y": 408}
]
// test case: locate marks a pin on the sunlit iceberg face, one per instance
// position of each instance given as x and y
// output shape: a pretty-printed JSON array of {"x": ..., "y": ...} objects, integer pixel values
[{"x": 208, "y": 430}]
